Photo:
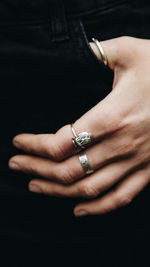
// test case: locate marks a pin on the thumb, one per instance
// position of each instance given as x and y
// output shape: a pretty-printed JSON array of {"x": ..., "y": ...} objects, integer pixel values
[{"x": 115, "y": 50}]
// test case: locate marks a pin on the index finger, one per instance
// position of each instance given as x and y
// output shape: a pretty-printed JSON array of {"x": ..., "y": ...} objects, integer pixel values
[{"x": 60, "y": 145}]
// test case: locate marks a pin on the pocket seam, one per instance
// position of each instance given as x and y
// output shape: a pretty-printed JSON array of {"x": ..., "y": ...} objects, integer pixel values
[{"x": 89, "y": 51}]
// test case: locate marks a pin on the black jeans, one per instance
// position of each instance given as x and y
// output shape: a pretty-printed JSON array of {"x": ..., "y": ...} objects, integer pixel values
[{"x": 49, "y": 77}]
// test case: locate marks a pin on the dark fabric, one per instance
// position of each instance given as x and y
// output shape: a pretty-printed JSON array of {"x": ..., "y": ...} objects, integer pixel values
[{"x": 46, "y": 69}]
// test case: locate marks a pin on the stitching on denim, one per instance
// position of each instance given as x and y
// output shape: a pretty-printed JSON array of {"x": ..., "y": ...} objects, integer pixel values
[
  {"x": 99, "y": 9},
  {"x": 59, "y": 22},
  {"x": 89, "y": 52}
]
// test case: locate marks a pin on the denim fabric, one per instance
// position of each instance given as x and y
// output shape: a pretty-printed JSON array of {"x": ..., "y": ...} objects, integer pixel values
[{"x": 46, "y": 69}]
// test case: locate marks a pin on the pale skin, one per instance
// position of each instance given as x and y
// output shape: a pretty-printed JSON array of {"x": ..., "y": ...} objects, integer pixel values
[{"x": 120, "y": 149}]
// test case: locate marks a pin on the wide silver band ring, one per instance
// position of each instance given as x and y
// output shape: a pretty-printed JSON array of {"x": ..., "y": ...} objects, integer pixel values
[
  {"x": 80, "y": 140},
  {"x": 100, "y": 48},
  {"x": 84, "y": 163}
]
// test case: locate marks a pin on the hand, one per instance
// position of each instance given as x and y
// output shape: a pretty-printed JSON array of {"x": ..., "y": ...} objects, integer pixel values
[{"x": 120, "y": 127}]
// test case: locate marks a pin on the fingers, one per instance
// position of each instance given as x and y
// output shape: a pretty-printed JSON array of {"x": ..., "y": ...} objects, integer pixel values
[
  {"x": 65, "y": 172},
  {"x": 89, "y": 187},
  {"x": 70, "y": 170},
  {"x": 121, "y": 196},
  {"x": 54, "y": 146}
]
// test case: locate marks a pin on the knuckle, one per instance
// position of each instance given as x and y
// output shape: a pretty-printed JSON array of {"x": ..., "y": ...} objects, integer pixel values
[
  {"x": 128, "y": 148},
  {"x": 54, "y": 149},
  {"x": 46, "y": 145},
  {"x": 113, "y": 125},
  {"x": 87, "y": 190},
  {"x": 133, "y": 147},
  {"x": 106, "y": 209},
  {"x": 64, "y": 174},
  {"x": 125, "y": 38},
  {"x": 114, "y": 122},
  {"x": 117, "y": 125},
  {"x": 122, "y": 200},
  {"x": 60, "y": 147},
  {"x": 123, "y": 51},
  {"x": 59, "y": 152}
]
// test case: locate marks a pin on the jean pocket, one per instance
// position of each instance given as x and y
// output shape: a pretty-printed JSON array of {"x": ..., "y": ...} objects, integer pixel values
[
  {"x": 86, "y": 43},
  {"x": 92, "y": 75},
  {"x": 86, "y": 53}
]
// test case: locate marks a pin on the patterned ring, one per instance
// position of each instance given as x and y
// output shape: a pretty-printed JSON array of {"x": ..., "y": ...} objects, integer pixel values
[{"x": 84, "y": 163}]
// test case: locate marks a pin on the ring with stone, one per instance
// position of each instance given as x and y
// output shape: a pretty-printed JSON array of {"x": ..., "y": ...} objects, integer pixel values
[{"x": 80, "y": 140}]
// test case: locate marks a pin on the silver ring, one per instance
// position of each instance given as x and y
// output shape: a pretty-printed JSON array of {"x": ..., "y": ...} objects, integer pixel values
[
  {"x": 80, "y": 140},
  {"x": 104, "y": 58},
  {"x": 84, "y": 163}
]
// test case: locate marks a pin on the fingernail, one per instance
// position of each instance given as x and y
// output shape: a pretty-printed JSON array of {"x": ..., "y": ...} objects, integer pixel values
[
  {"x": 81, "y": 212},
  {"x": 14, "y": 166},
  {"x": 35, "y": 188},
  {"x": 16, "y": 144}
]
